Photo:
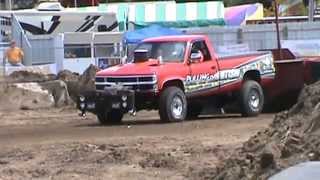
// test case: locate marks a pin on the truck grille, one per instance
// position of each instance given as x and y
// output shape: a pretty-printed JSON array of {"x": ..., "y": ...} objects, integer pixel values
[{"x": 137, "y": 83}]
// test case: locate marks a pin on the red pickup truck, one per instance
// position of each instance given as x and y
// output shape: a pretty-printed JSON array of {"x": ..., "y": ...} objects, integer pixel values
[{"x": 177, "y": 75}]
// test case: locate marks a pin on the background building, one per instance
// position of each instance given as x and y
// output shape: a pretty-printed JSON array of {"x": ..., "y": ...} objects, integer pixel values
[
  {"x": 79, "y": 3},
  {"x": 17, "y": 4}
]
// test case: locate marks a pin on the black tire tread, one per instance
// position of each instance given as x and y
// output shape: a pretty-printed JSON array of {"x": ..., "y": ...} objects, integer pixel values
[
  {"x": 246, "y": 111},
  {"x": 163, "y": 103}
]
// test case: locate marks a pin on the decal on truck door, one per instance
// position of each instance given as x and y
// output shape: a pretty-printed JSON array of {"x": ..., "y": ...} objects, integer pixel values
[
  {"x": 264, "y": 64},
  {"x": 201, "y": 81}
]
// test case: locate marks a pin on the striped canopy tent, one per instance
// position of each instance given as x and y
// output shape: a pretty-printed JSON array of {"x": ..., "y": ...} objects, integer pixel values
[{"x": 165, "y": 13}]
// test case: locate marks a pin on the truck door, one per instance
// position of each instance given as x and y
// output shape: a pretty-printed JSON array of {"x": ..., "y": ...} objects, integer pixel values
[{"x": 203, "y": 69}]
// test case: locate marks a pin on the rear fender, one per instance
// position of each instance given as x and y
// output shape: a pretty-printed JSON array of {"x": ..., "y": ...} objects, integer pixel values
[
  {"x": 252, "y": 75},
  {"x": 262, "y": 67}
]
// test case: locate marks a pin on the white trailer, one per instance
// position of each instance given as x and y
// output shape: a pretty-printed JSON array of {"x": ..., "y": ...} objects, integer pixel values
[{"x": 34, "y": 22}]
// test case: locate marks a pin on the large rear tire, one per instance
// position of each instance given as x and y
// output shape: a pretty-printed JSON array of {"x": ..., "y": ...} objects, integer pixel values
[
  {"x": 251, "y": 99},
  {"x": 173, "y": 105},
  {"x": 112, "y": 117}
]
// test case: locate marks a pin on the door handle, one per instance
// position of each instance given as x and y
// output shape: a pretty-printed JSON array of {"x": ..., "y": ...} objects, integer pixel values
[{"x": 213, "y": 67}]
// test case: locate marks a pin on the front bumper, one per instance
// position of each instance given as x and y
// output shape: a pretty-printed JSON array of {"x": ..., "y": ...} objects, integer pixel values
[{"x": 105, "y": 100}]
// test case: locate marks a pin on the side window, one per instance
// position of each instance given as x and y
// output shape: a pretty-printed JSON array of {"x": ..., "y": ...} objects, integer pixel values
[
  {"x": 107, "y": 50},
  {"x": 77, "y": 51},
  {"x": 201, "y": 45}
]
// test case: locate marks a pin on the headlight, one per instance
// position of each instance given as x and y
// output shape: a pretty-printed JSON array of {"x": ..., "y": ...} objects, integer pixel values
[
  {"x": 124, "y": 98},
  {"x": 82, "y": 99},
  {"x": 124, "y": 105},
  {"x": 154, "y": 78}
]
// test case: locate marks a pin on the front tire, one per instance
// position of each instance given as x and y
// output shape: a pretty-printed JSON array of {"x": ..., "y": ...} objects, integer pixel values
[
  {"x": 110, "y": 117},
  {"x": 173, "y": 105},
  {"x": 251, "y": 99}
]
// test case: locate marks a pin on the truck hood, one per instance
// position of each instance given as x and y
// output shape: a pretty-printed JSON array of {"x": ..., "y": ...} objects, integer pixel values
[{"x": 142, "y": 68}]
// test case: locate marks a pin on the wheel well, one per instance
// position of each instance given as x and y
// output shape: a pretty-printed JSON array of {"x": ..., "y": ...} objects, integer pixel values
[
  {"x": 177, "y": 83},
  {"x": 252, "y": 75}
]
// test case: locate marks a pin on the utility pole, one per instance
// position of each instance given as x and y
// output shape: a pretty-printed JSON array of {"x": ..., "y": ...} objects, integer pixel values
[
  {"x": 8, "y": 4},
  {"x": 311, "y": 10},
  {"x": 277, "y": 23}
]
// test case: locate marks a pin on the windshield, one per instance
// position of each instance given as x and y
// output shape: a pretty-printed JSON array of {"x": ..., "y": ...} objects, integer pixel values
[{"x": 165, "y": 51}]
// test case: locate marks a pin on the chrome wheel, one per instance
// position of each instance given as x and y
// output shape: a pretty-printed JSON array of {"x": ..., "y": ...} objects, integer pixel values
[
  {"x": 254, "y": 100},
  {"x": 251, "y": 99},
  {"x": 177, "y": 107},
  {"x": 172, "y": 105}
]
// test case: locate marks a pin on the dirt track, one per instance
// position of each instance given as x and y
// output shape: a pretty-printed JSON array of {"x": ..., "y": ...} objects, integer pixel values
[{"x": 57, "y": 144}]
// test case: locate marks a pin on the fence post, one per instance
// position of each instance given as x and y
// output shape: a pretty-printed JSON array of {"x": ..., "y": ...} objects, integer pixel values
[
  {"x": 240, "y": 36},
  {"x": 4, "y": 65},
  {"x": 20, "y": 41},
  {"x": 285, "y": 32},
  {"x": 311, "y": 10}
]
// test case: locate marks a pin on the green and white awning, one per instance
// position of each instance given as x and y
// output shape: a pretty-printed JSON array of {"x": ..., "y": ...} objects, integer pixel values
[{"x": 167, "y": 13}]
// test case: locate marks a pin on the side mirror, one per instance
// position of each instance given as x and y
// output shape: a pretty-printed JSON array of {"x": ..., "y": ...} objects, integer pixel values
[{"x": 195, "y": 57}]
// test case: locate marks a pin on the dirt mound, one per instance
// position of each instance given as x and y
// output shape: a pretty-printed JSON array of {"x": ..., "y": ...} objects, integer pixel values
[
  {"x": 33, "y": 95},
  {"x": 76, "y": 84},
  {"x": 58, "y": 89},
  {"x": 28, "y": 76},
  {"x": 293, "y": 137},
  {"x": 66, "y": 75},
  {"x": 32, "y": 90},
  {"x": 87, "y": 79},
  {"x": 24, "y": 96}
]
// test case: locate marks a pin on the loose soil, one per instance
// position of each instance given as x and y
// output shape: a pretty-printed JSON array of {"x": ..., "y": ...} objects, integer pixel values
[
  {"x": 57, "y": 144},
  {"x": 292, "y": 138}
]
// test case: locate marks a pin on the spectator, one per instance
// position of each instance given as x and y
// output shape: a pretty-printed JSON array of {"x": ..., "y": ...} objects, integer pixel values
[{"x": 14, "y": 55}]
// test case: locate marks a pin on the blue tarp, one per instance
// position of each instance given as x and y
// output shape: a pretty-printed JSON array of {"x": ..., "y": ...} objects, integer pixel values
[{"x": 134, "y": 37}]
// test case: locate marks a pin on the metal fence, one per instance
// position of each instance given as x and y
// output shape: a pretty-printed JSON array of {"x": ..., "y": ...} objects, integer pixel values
[
  {"x": 21, "y": 39},
  {"x": 41, "y": 54},
  {"x": 3, "y": 47},
  {"x": 68, "y": 50},
  {"x": 37, "y": 49},
  {"x": 45, "y": 49},
  {"x": 259, "y": 36},
  {"x": 50, "y": 57}
]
